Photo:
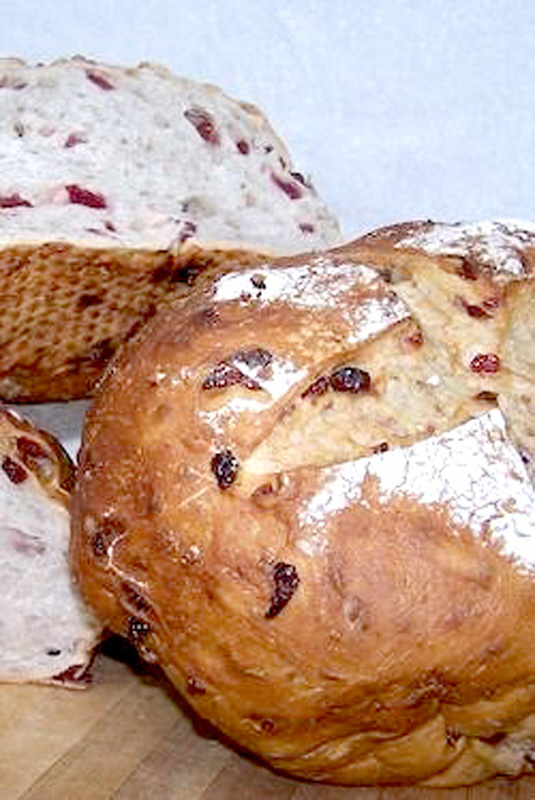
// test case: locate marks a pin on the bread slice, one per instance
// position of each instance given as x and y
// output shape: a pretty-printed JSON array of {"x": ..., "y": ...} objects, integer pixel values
[
  {"x": 46, "y": 633},
  {"x": 118, "y": 187}
]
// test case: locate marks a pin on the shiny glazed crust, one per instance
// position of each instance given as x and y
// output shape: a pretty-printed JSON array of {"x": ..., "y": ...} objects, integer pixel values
[{"x": 305, "y": 493}]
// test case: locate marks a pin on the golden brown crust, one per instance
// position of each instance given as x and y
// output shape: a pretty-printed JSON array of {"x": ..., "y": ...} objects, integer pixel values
[
  {"x": 380, "y": 640},
  {"x": 66, "y": 309}
]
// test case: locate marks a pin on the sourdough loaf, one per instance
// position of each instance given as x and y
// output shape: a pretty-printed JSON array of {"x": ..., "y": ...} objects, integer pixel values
[
  {"x": 118, "y": 187},
  {"x": 46, "y": 633},
  {"x": 305, "y": 492}
]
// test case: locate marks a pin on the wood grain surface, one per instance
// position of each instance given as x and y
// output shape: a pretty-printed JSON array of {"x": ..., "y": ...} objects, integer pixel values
[{"x": 128, "y": 737}]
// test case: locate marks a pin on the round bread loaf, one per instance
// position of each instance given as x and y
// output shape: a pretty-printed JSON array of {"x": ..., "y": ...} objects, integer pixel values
[
  {"x": 305, "y": 493},
  {"x": 118, "y": 187}
]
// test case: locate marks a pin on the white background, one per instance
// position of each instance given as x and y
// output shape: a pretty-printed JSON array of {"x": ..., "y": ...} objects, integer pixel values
[{"x": 398, "y": 110}]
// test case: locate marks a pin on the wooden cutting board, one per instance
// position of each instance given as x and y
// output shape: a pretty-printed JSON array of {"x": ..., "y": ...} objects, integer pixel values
[{"x": 129, "y": 738}]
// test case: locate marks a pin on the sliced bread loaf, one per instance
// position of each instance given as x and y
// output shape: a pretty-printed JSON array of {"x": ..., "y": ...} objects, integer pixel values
[
  {"x": 46, "y": 633},
  {"x": 118, "y": 187}
]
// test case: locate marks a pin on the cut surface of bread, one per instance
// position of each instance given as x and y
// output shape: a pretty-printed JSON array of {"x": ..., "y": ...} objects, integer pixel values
[
  {"x": 118, "y": 187},
  {"x": 47, "y": 635},
  {"x": 306, "y": 493}
]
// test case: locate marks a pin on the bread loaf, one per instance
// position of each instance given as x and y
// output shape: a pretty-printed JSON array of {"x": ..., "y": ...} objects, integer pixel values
[
  {"x": 46, "y": 633},
  {"x": 118, "y": 187},
  {"x": 305, "y": 492}
]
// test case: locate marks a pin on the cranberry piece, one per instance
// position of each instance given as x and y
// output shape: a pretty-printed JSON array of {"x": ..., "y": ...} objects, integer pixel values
[
  {"x": 256, "y": 357},
  {"x": 350, "y": 379},
  {"x": 306, "y": 227},
  {"x": 475, "y": 311},
  {"x": 299, "y": 178},
  {"x": 225, "y": 467},
  {"x": 491, "y": 303},
  {"x": 292, "y": 189},
  {"x": 194, "y": 686},
  {"x": 468, "y": 270},
  {"x": 30, "y": 449},
  {"x": 319, "y": 387},
  {"x": 137, "y": 629},
  {"x": 485, "y": 362},
  {"x": 414, "y": 339},
  {"x": 243, "y": 147},
  {"x": 382, "y": 447},
  {"x": 226, "y": 374},
  {"x": 99, "y": 80},
  {"x": 203, "y": 123},
  {"x": 486, "y": 396},
  {"x": 14, "y": 471},
  {"x": 258, "y": 281},
  {"x": 188, "y": 230},
  {"x": 84, "y": 197},
  {"x": 13, "y": 200},
  {"x": 33, "y": 455},
  {"x": 478, "y": 312},
  {"x": 87, "y": 300},
  {"x": 73, "y": 139},
  {"x": 286, "y": 580}
]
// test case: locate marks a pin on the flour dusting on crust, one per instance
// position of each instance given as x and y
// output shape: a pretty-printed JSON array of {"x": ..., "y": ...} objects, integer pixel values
[
  {"x": 321, "y": 284},
  {"x": 497, "y": 245},
  {"x": 474, "y": 471}
]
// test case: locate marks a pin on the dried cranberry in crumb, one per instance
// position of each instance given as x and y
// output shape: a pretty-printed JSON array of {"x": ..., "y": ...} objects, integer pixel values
[
  {"x": 84, "y": 197},
  {"x": 225, "y": 467},
  {"x": 319, "y": 387},
  {"x": 485, "y": 362},
  {"x": 468, "y": 270},
  {"x": 475, "y": 311},
  {"x": 492, "y": 303},
  {"x": 187, "y": 230},
  {"x": 137, "y": 629},
  {"x": 286, "y": 582},
  {"x": 299, "y": 177},
  {"x": 14, "y": 471},
  {"x": 382, "y": 447},
  {"x": 194, "y": 686},
  {"x": 203, "y": 123},
  {"x": 414, "y": 339},
  {"x": 291, "y": 188},
  {"x": 13, "y": 200},
  {"x": 73, "y": 139},
  {"x": 29, "y": 449},
  {"x": 99, "y": 80},
  {"x": 306, "y": 227},
  {"x": 350, "y": 379},
  {"x": 243, "y": 147},
  {"x": 225, "y": 375}
]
